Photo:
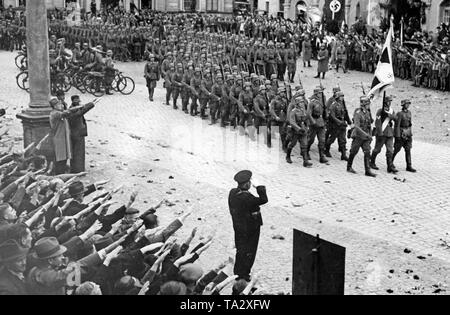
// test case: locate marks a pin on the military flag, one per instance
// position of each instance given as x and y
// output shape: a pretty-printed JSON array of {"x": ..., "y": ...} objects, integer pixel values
[{"x": 384, "y": 74}]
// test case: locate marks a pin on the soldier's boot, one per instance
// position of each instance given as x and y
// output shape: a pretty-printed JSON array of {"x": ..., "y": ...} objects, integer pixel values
[
  {"x": 168, "y": 99},
  {"x": 393, "y": 157},
  {"x": 367, "y": 166},
  {"x": 306, "y": 163},
  {"x": 202, "y": 113},
  {"x": 391, "y": 168},
  {"x": 308, "y": 157},
  {"x": 288, "y": 155},
  {"x": 251, "y": 131},
  {"x": 175, "y": 106},
  {"x": 323, "y": 159},
  {"x": 309, "y": 64},
  {"x": 327, "y": 152},
  {"x": 409, "y": 167},
  {"x": 373, "y": 164},
  {"x": 344, "y": 156},
  {"x": 317, "y": 76},
  {"x": 350, "y": 163}
]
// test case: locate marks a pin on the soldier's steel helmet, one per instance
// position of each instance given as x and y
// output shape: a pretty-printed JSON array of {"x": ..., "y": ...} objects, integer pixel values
[{"x": 406, "y": 102}]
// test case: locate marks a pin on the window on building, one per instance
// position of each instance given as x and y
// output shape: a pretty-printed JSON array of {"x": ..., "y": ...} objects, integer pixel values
[
  {"x": 358, "y": 11},
  {"x": 212, "y": 5},
  {"x": 445, "y": 11},
  {"x": 281, "y": 5}
]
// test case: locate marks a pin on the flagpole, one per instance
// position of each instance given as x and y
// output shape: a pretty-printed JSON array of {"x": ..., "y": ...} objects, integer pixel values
[{"x": 401, "y": 31}]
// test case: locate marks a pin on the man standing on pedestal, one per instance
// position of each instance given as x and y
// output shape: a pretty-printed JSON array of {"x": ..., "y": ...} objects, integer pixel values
[
  {"x": 78, "y": 132},
  {"x": 247, "y": 221}
]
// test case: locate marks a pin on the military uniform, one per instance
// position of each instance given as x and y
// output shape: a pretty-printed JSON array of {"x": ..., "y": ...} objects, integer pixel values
[
  {"x": 403, "y": 134},
  {"x": 245, "y": 104},
  {"x": 246, "y": 215},
  {"x": 217, "y": 92},
  {"x": 317, "y": 116},
  {"x": 384, "y": 132},
  {"x": 260, "y": 107},
  {"x": 338, "y": 122},
  {"x": 151, "y": 76},
  {"x": 298, "y": 121},
  {"x": 362, "y": 136}
]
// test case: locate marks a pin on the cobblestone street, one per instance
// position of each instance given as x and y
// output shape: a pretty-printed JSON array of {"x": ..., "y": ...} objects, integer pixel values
[{"x": 395, "y": 228}]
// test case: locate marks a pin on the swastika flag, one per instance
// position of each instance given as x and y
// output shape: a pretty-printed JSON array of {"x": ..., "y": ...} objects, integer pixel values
[{"x": 384, "y": 74}]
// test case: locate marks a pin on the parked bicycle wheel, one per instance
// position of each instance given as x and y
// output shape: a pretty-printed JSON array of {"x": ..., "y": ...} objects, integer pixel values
[
  {"x": 115, "y": 83},
  {"x": 23, "y": 81},
  {"x": 129, "y": 86},
  {"x": 21, "y": 61},
  {"x": 77, "y": 82},
  {"x": 97, "y": 87}
]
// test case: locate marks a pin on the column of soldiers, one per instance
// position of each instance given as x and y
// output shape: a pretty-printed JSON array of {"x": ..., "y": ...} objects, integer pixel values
[{"x": 242, "y": 84}]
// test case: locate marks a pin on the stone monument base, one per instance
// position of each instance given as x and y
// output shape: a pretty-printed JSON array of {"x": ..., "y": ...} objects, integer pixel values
[{"x": 35, "y": 127}]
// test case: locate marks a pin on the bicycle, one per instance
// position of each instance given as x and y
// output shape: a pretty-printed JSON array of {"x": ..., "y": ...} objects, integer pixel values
[
  {"x": 22, "y": 81},
  {"x": 60, "y": 81},
  {"x": 123, "y": 84},
  {"x": 21, "y": 61}
]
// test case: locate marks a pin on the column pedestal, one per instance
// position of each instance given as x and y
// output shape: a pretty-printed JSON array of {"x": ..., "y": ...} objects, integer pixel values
[{"x": 35, "y": 119}]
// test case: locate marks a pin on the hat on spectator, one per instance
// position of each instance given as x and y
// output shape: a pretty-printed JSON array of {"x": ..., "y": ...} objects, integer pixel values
[{"x": 48, "y": 247}]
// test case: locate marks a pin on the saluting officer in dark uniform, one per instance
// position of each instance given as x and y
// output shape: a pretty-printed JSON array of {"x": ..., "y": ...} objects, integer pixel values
[{"x": 247, "y": 221}]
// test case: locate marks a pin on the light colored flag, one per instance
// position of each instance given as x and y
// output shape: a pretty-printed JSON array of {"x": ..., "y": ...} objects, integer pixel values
[{"x": 384, "y": 74}]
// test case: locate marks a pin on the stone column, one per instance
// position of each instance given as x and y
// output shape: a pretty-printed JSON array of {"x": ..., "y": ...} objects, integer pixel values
[
  {"x": 287, "y": 9},
  {"x": 126, "y": 4},
  {"x": 35, "y": 119},
  {"x": 348, "y": 5}
]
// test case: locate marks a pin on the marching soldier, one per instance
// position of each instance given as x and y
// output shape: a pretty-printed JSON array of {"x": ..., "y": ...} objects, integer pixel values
[
  {"x": 403, "y": 134},
  {"x": 384, "y": 131},
  {"x": 186, "y": 90},
  {"x": 298, "y": 121},
  {"x": 291, "y": 61},
  {"x": 151, "y": 75},
  {"x": 205, "y": 95},
  {"x": 278, "y": 116},
  {"x": 226, "y": 103},
  {"x": 236, "y": 91},
  {"x": 270, "y": 58},
  {"x": 338, "y": 122},
  {"x": 168, "y": 82},
  {"x": 217, "y": 92},
  {"x": 260, "y": 106},
  {"x": 196, "y": 83},
  {"x": 245, "y": 104},
  {"x": 317, "y": 117},
  {"x": 329, "y": 102},
  {"x": 362, "y": 136},
  {"x": 177, "y": 84}
]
